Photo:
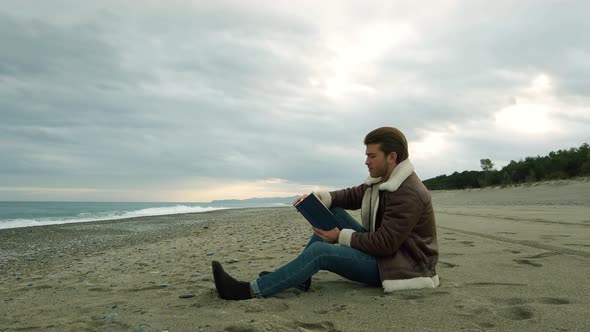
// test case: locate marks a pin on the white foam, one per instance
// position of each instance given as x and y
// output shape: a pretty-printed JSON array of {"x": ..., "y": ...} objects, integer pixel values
[{"x": 113, "y": 215}]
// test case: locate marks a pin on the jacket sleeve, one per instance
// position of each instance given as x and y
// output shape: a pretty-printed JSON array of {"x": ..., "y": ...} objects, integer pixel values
[
  {"x": 402, "y": 211},
  {"x": 349, "y": 198}
]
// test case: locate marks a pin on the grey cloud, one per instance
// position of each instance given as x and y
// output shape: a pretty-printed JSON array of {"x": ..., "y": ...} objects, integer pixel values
[{"x": 38, "y": 50}]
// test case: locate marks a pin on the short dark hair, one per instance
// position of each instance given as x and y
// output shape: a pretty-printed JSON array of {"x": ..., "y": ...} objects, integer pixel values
[{"x": 390, "y": 140}]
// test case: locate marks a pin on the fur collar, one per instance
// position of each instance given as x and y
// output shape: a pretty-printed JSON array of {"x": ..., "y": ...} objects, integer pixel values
[{"x": 400, "y": 174}]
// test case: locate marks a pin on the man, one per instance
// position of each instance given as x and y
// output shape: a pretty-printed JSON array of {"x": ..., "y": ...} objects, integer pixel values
[{"x": 394, "y": 246}]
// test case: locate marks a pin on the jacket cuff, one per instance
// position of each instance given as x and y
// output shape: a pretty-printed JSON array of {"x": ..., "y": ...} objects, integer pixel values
[
  {"x": 325, "y": 197},
  {"x": 345, "y": 236}
]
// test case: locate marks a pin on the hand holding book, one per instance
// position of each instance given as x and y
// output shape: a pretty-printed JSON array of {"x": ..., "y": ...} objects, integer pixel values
[
  {"x": 330, "y": 236},
  {"x": 316, "y": 213},
  {"x": 302, "y": 197}
]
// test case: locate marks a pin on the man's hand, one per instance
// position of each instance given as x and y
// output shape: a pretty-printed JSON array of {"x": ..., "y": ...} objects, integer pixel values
[
  {"x": 330, "y": 236},
  {"x": 300, "y": 199}
]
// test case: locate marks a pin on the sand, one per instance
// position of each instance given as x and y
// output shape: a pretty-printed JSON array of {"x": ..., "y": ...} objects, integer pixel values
[{"x": 512, "y": 259}]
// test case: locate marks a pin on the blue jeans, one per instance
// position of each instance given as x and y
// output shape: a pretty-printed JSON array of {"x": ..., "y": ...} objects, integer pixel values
[{"x": 318, "y": 255}]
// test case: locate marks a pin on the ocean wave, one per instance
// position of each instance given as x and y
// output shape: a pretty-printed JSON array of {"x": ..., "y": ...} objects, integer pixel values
[{"x": 109, "y": 215}]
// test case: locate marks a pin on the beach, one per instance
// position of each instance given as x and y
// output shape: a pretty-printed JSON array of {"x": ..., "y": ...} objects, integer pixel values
[{"x": 511, "y": 259}]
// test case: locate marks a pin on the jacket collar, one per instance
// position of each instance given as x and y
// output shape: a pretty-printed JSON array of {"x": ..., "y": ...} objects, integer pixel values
[{"x": 400, "y": 174}]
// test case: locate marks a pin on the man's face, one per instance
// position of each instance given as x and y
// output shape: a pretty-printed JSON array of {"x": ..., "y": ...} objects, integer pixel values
[{"x": 376, "y": 161}]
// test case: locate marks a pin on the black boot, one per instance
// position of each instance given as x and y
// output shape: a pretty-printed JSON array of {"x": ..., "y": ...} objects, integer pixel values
[
  {"x": 228, "y": 287},
  {"x": 302, "y": 287}
]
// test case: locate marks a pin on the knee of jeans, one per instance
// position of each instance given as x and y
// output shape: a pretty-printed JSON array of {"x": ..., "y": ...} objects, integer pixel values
[
  {"x": 318, "y": 248},
  {"x": 319, "y": 254}
]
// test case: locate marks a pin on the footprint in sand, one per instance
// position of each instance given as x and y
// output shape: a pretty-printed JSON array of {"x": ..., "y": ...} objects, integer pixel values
[
  {"x": 447, "y": 264},
  {"x": 513, "y": 251},
  {"x": 527, "y": 262},
  {"x": 543, "y": 255},
  {"x": 453, "y": 254},
  {"x": 516, "y": 308},
  {"x": 439, "y": 293},
  {"x": 481, "y": 313},
  {"x": 336, "y": 308},
  {"x": 516, "y": 313},
  {"x": 510, "y": 301},
  {"x": 99, "y": 289},
  {"x": 486, "y": 325},
  {"x": 548, "y": 237},
  {"x": 474, "y": 310},
  {"x": 309, "y": 327},
  {"x": 339, "y": 307},
  {"x": 553, "y": 300},
  {"x": 577, "y": 245},
  {"x": 265, "y": 306},
  {"x": 239, "y": 328}
]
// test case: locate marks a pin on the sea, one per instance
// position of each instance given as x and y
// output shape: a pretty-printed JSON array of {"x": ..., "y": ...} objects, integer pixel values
[{"x": 27, "y": 214}]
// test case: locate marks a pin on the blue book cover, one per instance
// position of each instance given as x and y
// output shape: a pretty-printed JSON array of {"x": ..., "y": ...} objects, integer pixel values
[{"x": 316, "y": 213}]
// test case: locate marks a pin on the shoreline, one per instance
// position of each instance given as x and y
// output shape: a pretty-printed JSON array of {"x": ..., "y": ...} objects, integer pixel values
[{"x": 36, "y": 246}]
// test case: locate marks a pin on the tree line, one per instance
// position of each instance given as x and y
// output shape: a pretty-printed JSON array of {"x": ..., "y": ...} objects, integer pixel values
[{"x": 563, "y": 164}]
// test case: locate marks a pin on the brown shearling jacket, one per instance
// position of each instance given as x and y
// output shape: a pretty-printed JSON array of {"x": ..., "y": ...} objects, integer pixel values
[{"x": 399, "y": 217}]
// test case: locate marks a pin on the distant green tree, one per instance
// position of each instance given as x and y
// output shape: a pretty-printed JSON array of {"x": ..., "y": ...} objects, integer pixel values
[{"x": 486, "y": 165}]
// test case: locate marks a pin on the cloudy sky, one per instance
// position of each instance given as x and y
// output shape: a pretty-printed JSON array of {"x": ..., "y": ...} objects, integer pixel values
[{"x": 203, "y": 100}]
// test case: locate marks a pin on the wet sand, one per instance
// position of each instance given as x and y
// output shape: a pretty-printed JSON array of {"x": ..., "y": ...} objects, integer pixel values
[{"x": 512, "y": 259}]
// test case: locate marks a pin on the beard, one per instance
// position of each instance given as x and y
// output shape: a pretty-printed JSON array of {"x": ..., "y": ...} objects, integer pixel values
[{"x": 379, "y": 170}]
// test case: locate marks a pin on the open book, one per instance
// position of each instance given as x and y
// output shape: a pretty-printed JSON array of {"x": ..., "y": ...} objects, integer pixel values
[{"x": 317, "y": 213}]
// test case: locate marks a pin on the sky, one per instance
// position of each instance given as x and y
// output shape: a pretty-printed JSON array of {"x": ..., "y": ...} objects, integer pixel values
[{"x": 192, "y": 101}]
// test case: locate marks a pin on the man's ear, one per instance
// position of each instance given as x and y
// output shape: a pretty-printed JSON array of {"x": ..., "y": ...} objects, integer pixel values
[{"x": 393, "y": 157}]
